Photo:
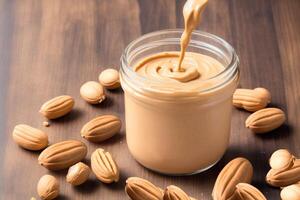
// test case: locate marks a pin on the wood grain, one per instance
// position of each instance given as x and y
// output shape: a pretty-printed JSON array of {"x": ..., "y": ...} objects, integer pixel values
[{"x": 49, "y": 48}]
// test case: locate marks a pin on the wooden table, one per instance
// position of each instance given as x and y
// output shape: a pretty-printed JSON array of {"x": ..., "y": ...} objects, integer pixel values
[{"x": 49, "y": 48}]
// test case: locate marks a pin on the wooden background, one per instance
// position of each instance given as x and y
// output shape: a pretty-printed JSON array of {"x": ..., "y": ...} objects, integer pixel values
[{"x": 49, "y": 48}]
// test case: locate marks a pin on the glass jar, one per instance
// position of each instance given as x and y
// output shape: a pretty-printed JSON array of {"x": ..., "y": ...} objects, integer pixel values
[{"x": 170, "y": 130}]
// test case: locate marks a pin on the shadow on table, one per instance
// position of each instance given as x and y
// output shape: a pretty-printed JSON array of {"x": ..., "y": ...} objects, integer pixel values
[
  {"x": 107, "y": 103},
  {"x": 283, "y": 132},
  {"x": 89, "y": 186},
  {"x": 73, "y": 115},
  {"x": 63, "y": 197},
  {"x": 116, "y": 91},
  {"x": 115, "y": 139},
  {"x": 120, "y": 185}
]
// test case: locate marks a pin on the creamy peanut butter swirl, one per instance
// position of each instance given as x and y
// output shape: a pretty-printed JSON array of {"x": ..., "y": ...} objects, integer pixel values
[{"x": 195, "y": 68}]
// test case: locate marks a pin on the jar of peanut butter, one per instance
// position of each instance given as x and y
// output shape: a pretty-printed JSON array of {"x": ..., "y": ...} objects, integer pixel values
[{"x": 178, "y": 120}]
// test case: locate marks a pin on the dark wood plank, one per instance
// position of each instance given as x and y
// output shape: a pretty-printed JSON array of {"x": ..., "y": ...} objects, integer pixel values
[
  {"x": 254, "y": 38},
  {"x": 6, "y": 29},
  {"x": 287, "y": 26},
  {"x": 48, "y": 48},
  {"x": 157, "y": 15}
]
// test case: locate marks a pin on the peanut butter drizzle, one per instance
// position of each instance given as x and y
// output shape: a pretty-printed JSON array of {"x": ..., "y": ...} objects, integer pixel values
[
  {"x": 192, "y": 11},
  {"x": 171, "y": 65}
]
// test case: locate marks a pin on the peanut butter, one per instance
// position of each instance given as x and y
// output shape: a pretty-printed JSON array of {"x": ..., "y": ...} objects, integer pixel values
[
  {"x": 179, "y": 136},
  {"x": 178, "y": 103},
  {"x": 191, "y": 12},
  {"x": 195, "y": 68}
]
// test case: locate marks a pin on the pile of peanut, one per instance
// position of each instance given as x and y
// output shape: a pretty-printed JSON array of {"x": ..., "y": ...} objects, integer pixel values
[
  {"x": 70, "y": 153},
  {"x": 233, "y": 182}
]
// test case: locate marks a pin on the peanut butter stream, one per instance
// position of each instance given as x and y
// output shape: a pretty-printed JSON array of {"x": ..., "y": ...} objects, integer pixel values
[
  {"x": 192, "y": 11},
  {"x": 183, "y": 67}
]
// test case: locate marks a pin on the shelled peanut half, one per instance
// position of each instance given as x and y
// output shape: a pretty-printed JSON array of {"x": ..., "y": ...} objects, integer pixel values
[
  {"x": 78, "y": 174},
  {"x": 263, "y": 119},
  {"x": 291, "y": 192},
  {"x": 48, "y": 187},
  {"x": 109, "y": 78},
  {"x": 93, "y": 92}
]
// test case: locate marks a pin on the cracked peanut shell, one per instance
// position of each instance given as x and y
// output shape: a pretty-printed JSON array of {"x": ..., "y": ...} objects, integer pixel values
[{"x": 48, "y": 187}]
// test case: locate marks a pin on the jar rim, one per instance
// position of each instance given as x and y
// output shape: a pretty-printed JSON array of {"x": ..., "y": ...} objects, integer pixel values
[{"x": 231, "y": 67}]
